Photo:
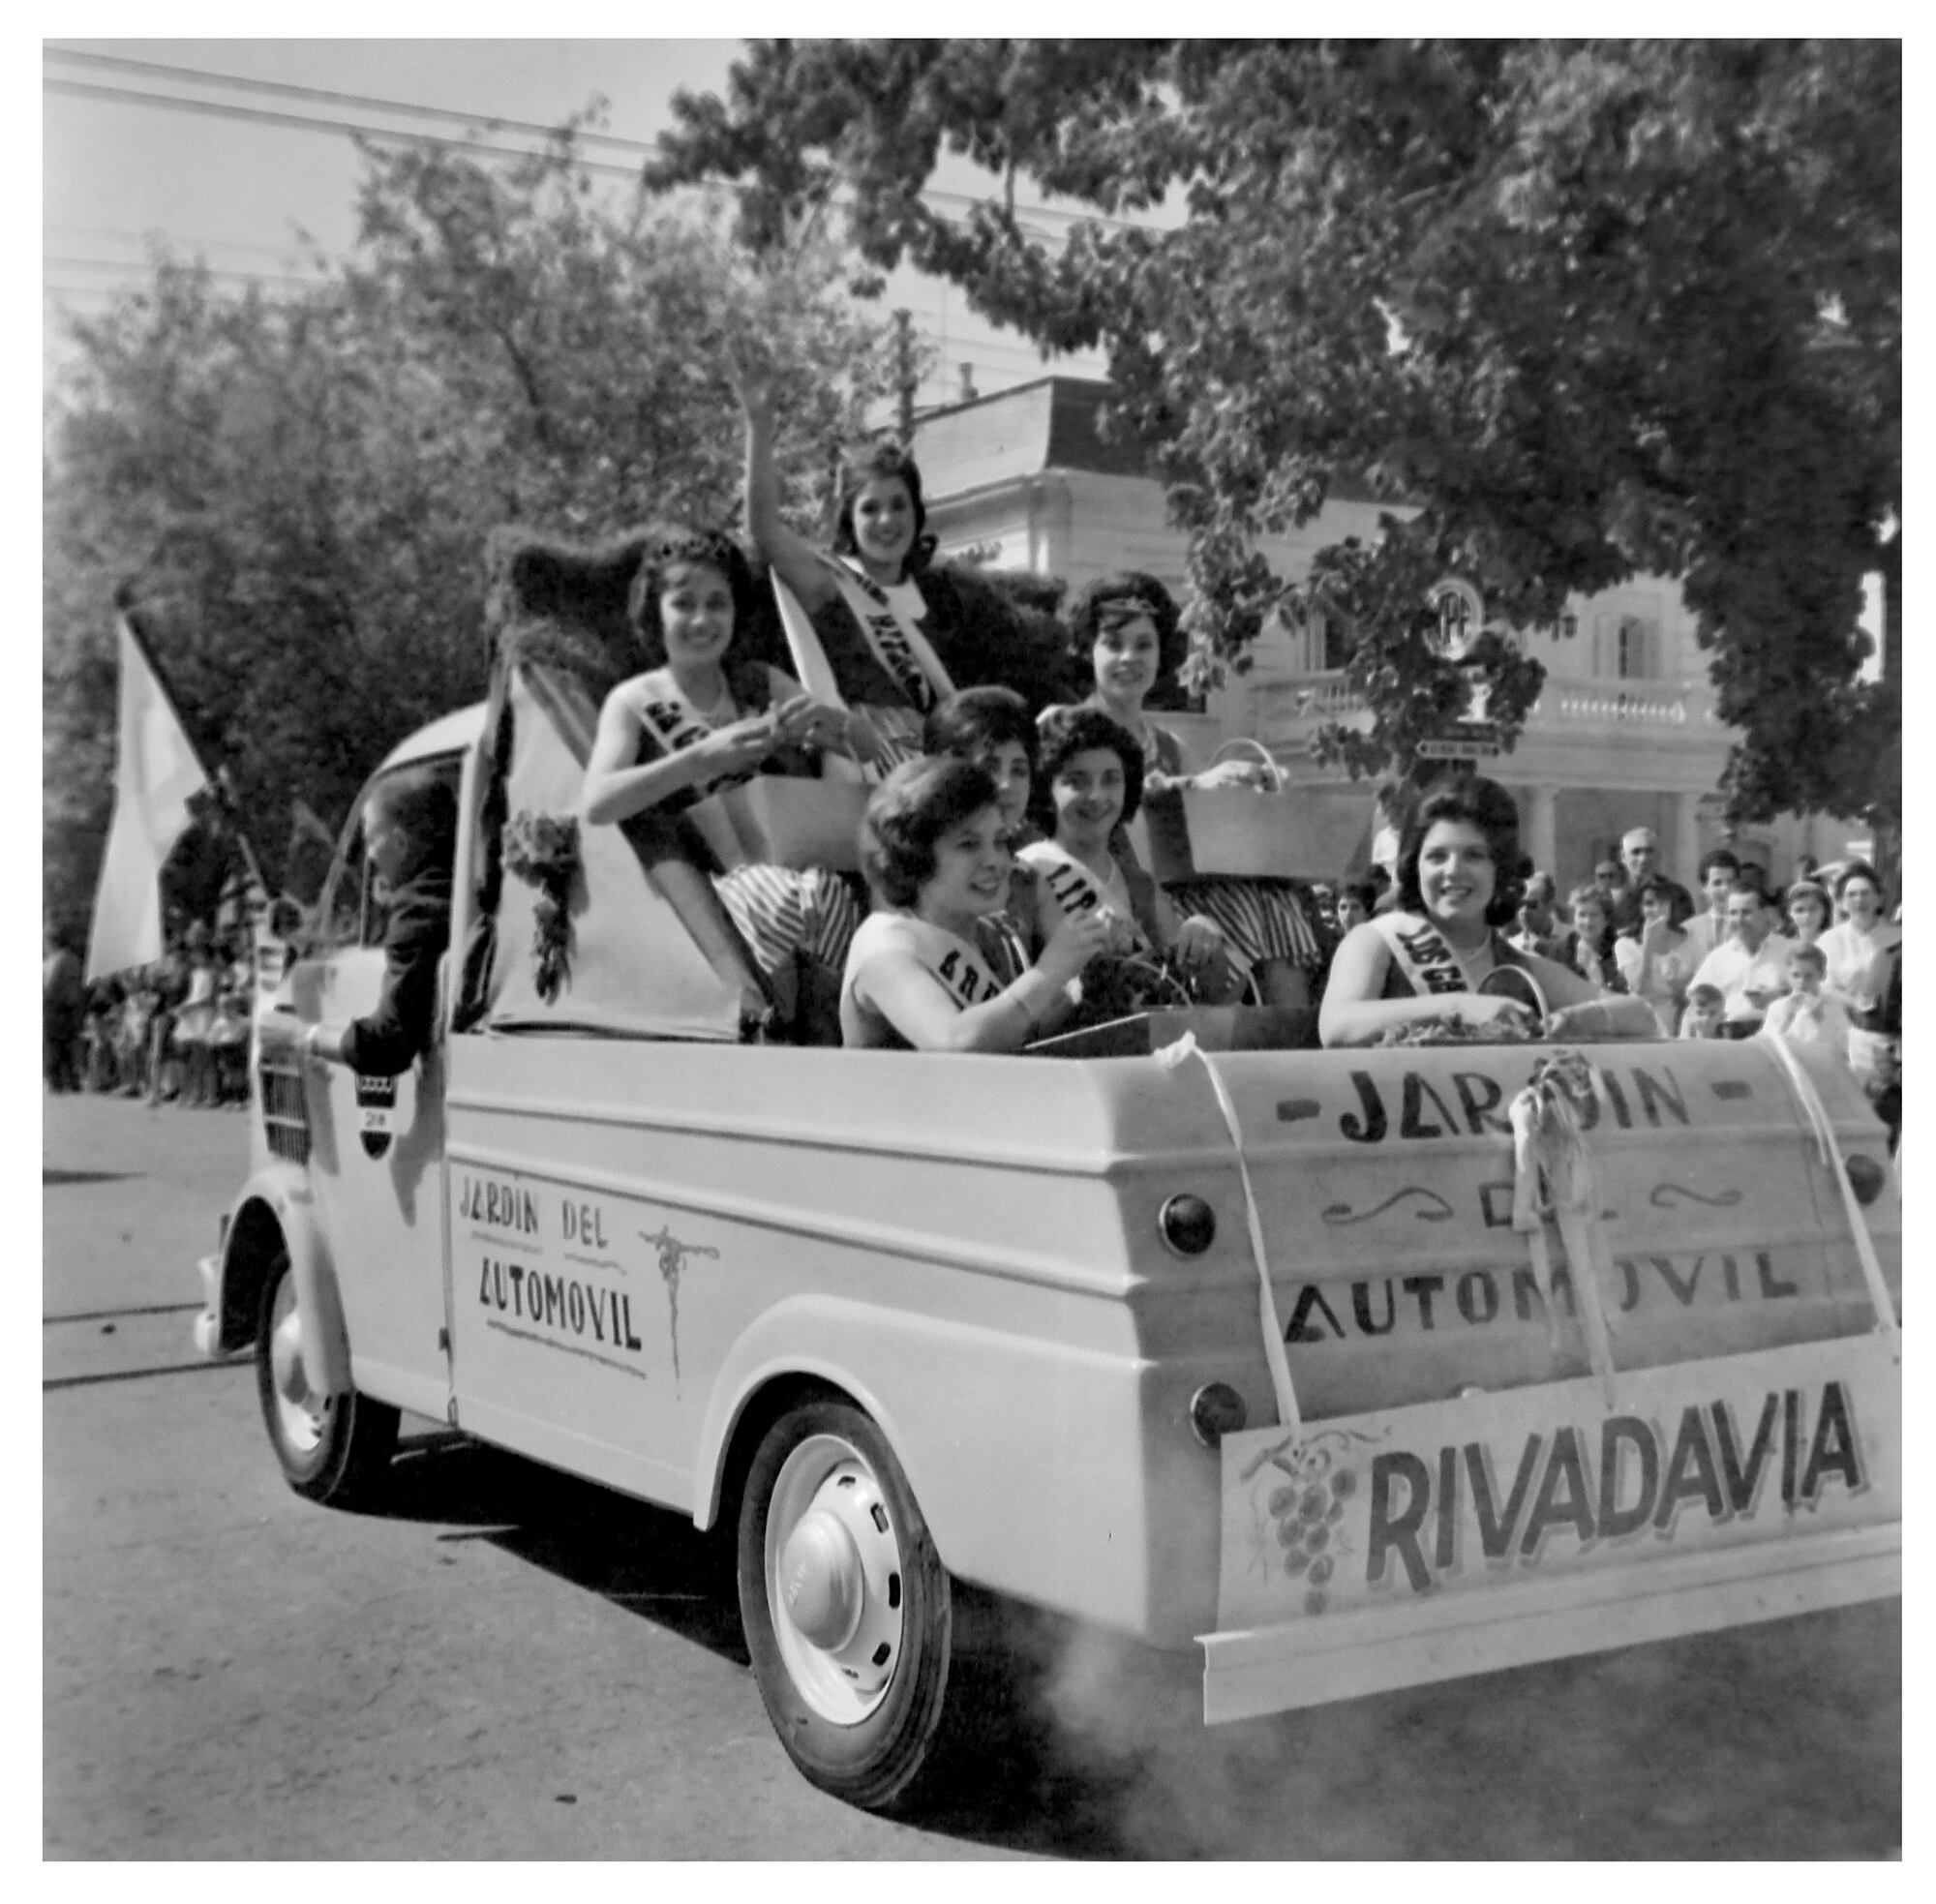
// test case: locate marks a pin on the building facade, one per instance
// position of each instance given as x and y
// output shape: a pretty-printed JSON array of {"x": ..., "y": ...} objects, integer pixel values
[{"x": 1624, "y": 734}]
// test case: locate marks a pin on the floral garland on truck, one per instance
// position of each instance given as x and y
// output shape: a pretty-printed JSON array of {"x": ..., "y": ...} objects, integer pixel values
[{"x": 542, "y": 849}]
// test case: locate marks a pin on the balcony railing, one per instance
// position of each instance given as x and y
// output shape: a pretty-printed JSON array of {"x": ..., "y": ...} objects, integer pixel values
[{"x": 1284, "y": 710}]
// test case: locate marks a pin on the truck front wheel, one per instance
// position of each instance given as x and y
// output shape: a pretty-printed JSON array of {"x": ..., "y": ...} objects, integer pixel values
[
  {"x": 845, "y": 1602},
  {"x": 333, "y": 1448}
]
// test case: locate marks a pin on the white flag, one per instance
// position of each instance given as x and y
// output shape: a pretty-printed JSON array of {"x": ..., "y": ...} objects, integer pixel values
[{"x": 154, "y": 776}]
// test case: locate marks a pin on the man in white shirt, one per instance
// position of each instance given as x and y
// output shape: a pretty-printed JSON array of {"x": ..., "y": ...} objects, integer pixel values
[{"x": 1749, "y": 967}]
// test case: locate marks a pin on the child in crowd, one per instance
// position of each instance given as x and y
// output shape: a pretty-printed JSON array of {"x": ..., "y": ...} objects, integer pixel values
[
  {"x": 1357, "y": 900},
  {"x": 1705, "y": 1009},
  {"x": 1804, "y": 1015},
  {"x": 934, "y": 845}
]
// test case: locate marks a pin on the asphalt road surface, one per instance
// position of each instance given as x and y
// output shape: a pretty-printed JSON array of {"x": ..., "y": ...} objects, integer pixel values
[{"x": 509, "y": 1664}]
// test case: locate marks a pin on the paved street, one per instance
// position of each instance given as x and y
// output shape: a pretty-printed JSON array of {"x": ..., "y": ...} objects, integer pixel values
[{"x": 509, "y": 1664}]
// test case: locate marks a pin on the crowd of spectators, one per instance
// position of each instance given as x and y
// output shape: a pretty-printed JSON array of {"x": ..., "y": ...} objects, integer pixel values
[
  {"x": 1817, "y": 961},
  {"x": 173, "y": 1032}
]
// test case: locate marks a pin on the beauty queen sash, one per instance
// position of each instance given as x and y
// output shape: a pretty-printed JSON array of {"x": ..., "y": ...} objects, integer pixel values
[
  {"x": 900, "y": 648},
  {"x": 672, "y": 724},
  {"x": 1428, "y": 963}
]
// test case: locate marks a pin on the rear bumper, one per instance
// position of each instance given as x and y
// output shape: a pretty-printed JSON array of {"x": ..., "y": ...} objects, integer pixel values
[{"x": 1275, "y": 1669}]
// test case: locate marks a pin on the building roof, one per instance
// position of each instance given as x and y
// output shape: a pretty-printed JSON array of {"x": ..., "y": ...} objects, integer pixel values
[{"x": 1052, "y": 423}]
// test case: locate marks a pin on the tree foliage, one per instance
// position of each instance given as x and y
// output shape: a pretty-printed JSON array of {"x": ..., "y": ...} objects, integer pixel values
[
  {"x": 297, "y": 490},
  {"x": 1594, "y": 309}
]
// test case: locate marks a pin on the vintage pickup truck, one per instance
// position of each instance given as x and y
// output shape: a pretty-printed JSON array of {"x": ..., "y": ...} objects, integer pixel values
[{"x": 1243, "y": 1351}]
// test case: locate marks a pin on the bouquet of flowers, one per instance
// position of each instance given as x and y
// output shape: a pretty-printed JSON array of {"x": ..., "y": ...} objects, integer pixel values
[
  {"x": 542, "y": 849},
  {"x": 1117, "y": 984}
]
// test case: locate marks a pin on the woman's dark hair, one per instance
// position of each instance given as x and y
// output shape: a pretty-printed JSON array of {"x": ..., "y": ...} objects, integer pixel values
[
  {"x": 1679, "y": 901},
  {"x": 1857, "y": 869},
  {"x": 971, "y": 722},
  {"x": 421, "y": 804},
  {"x": 682, "y": 548},
  {"x": 1478, "y": 802},
  {"x": 1067, "y": 732},
  {"x": 911, "y": 809},
  {"x": 1084, "y": 613},
  {"x": 873, "y": 463}
]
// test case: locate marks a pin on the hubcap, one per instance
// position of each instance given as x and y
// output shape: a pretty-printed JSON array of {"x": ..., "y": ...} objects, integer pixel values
[
  {"x": 301, "y": 1413},
  {"x": 834, "y": 1578}
]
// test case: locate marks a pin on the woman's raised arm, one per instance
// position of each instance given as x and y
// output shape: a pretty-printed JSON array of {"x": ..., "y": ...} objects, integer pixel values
[{"x": 792, "y": 557}]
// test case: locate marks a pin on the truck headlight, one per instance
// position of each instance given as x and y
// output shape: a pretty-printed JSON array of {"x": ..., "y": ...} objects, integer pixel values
[{"x": 1187, "y": 1225}]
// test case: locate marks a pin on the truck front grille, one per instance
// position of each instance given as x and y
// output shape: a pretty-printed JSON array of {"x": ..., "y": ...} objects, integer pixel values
[{"x": 284, "y": 1108}]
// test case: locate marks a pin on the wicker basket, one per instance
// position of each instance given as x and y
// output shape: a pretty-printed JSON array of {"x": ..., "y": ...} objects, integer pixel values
[
  {"x": 1247, "y": 832},
  {"x": 779, "y": 820}
]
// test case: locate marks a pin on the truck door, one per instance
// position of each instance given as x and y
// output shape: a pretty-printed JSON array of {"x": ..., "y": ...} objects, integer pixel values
[{"x": 376, "y": 1155}]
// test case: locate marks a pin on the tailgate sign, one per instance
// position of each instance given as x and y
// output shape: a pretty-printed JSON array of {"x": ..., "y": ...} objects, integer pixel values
[{"x": 1377, "y": 1509}]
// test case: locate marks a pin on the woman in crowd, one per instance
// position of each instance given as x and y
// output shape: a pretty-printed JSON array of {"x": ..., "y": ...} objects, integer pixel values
[
  {"x": 1658, "y": 963},
  {"x": 1862, "y": 948},
  {"x": 935, "y": 844},
  {"x": 1810, "y": 911},
  {"x": 1458, "y": 883},
  {"x": 1590, "y": 946},
  {"x": 698, "y": 720},
  {"x": 1092, "y": 777},
  {"x": 990, "y": 726},
  {"x": 1124, "y": 633}
]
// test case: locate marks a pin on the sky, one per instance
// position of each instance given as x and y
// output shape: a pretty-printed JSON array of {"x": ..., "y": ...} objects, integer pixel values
[{"x": 199, "y": 145}]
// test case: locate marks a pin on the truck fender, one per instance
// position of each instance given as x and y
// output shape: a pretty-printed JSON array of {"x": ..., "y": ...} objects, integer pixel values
[
  {"x": 281, "y": 1194},
  {"x": 824, "y": 1339}
]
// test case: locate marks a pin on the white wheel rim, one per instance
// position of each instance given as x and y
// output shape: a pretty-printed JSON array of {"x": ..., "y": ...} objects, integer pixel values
[
  {"x": 835, "y": 1586},
  {"x": 301, "y": 1413}
]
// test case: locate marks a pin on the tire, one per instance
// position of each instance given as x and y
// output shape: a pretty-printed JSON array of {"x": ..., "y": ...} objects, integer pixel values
[
  {"x": 332, "y": 1449},
  {"x": 846, "y": 1605}
]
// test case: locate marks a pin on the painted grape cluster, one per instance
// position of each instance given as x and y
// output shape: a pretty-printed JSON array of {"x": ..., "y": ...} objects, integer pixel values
[{"x": 1307, "y": 1509}]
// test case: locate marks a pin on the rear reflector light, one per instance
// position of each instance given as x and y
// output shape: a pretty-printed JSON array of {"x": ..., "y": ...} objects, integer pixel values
[
  {"x": 1216, "y": 1410},
  {"x": 1866, "y": 1177},
  {"x": 1189, "y": 1226}
]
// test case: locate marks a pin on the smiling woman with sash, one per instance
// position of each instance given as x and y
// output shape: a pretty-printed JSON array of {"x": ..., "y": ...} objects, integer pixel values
[
  {"x": 892, "y": 637},
  {"x": 701, "y": 720},
  {"x": 936, "y": 851},
  {"x": 1459, "y": 881}
]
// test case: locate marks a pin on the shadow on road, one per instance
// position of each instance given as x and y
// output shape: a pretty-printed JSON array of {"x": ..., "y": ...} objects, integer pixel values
[
  {"x": 1070, "y": 1743},
  {"x": 1011, "y": 1777}
]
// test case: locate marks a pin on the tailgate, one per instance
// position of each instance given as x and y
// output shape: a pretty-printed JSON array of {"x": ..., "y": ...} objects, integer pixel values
[{"x": 1452, "y": 1489}]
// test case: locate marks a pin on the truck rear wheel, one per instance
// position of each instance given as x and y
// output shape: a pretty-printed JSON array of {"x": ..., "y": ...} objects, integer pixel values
[
  {"x": 845, "y": 1602},
  {"x": 333, "y": 1448}
]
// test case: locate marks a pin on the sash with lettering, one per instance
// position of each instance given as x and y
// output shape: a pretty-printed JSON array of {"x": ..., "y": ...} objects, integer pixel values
[
  {"x": 673, "y": 723},
  {"x": 1077, "y": 891},
  {"x": 954, "y": 963},
  {"x": 1427, "y": 962},
  {"x": 897, "y": 645}
]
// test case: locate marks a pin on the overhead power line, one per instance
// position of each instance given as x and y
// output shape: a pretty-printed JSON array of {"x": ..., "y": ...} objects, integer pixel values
[
  {"x": 283, "y": 89},
  {"x": 448, "y": 115},
  {"x": 259, "y": 115}
]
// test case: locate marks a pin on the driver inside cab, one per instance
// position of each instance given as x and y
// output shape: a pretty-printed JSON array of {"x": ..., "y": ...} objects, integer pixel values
[{"x": 411, "y": 832}]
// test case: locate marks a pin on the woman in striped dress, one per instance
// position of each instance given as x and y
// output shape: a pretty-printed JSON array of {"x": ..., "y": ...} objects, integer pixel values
[
  {"x": 697, "y": 721},
  {"x": 1122, "y": 629}
]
